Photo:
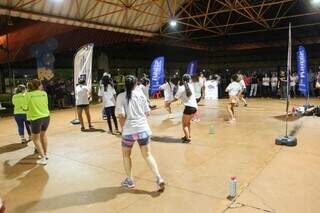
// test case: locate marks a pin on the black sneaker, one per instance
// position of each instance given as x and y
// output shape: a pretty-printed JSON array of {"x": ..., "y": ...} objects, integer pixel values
[
  {"x": 185, "y": 140},
  {"x": 82, "y": 129}
]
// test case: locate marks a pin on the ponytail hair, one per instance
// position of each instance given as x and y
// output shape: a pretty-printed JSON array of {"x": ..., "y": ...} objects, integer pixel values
[
  {"x": 185, "y": 80},
  {"x": 130, "y": 83},
  {"x": 106, "y": 80}
]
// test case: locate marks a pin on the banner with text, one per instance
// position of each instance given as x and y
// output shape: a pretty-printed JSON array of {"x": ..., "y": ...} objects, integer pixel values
[
  {"x": 192, "y": 68},
  {"x": 156, "y": 74},
  {"x": 302, "y": 67},
  {"x": 83, "y": 65}
]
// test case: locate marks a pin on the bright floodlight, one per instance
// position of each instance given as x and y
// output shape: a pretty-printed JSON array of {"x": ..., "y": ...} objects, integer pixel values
[
  {"x": 315, "y": 2},
  {"x": 173, "y": 23}
]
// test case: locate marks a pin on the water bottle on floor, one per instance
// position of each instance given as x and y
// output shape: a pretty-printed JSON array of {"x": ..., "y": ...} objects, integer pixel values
[{"x": 233, "y": 187}]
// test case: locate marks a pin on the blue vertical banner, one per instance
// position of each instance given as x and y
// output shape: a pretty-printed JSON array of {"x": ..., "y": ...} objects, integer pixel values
[
  {"x": 192, "y": 68},
  {"x": 302, "y": 67},
  {"x": 156, "y": 74}
]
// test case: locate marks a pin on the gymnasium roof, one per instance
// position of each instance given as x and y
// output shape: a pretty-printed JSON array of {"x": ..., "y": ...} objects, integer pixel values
[{"x": 210, "y": 25}]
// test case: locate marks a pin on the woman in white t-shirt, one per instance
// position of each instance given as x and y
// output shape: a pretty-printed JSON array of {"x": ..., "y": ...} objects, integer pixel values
[
  {"x": 293, "y": 83},
  {"x": 197, "y": 93},
  {"x": 133, "y": 109},
  {"x": 82, "y": 102},
  {"x": 233, "y": 89},
  {"x": 274, "y": 85},
  {"x": 107, "y": 97},
  {"x": 187, "y": 95},
  {"x": 168, "y": 88},
  {"x": 265, "y": 85}
]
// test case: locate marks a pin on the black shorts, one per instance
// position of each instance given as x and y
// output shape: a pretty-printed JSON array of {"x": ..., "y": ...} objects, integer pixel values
[
  {"x": 82, "y": 106},
  {"x": 188, "y": 110},
  {"x": 40, "y": 125}
]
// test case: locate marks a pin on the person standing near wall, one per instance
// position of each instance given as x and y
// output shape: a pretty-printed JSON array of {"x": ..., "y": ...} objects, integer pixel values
[
  {"x": 283, "y": 85},
  {"x": 274, "y": 85},
  {"x": 266, "y": 85},
  {"x": 311, "y": 82},
  {"x": 254, "y": 85},
  {"x": 293, "y": 82}
]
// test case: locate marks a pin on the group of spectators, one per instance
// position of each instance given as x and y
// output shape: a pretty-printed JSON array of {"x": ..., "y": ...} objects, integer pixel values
[
  {"x": 60, "y": 93},
  {"x": 274, "y": 85}
]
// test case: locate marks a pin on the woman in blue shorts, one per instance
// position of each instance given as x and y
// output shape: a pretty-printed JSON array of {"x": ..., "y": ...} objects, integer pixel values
[{"x": 132, "y": 109}]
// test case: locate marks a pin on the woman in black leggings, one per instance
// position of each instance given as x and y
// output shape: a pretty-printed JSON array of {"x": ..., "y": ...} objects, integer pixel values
[{"x": 107, "y": 96}]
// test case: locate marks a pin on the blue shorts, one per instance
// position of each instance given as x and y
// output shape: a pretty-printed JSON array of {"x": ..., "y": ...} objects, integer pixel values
[{"x": 143, "y": 138}]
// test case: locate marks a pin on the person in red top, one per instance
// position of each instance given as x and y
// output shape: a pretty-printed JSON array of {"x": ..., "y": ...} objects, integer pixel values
[{"x": 246, "y": 80}]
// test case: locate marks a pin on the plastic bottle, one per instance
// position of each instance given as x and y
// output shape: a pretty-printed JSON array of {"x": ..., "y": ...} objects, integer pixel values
[{"x": 233, "y": 187}]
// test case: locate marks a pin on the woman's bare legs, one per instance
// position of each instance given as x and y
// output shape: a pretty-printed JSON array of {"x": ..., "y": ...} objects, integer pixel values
[
  {"x": 86, "y": 110},
  {"x": 44, "y": 141},
  {"x": 146, "y": 153},
  {"x": 186, "y": 125},
  {"x": 127, "y": 163},
  {"x": 38, "y": 144},
  {"x": 79, "y": 111}
]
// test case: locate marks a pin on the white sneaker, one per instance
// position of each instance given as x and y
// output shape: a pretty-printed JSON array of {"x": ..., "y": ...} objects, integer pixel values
[
  {"x": 42, "y": 161},
  {"x": 23, "y": 140},
  {"x": 160, "y": 183}
]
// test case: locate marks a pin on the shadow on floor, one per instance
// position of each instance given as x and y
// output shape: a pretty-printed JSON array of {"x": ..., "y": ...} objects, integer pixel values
[
  {"x": 32, "y": 180},
  {"x": 23, "y": 165},
  {"x": 290, "y": 117},
  {"x": 94, "y": 130},
  {"x": 165, "y": 139},
  {"x": 81, "y": 198},
  {"x": 12, "y": 147}
]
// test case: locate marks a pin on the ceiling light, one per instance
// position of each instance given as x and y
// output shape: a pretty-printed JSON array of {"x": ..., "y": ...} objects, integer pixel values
[{"x": 173, "y": 23}]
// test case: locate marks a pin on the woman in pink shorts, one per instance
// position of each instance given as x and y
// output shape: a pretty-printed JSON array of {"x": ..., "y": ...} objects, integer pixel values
[{"x": 132, "y": 109}]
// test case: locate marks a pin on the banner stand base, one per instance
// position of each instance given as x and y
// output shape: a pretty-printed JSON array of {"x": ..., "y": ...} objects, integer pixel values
[
  {"x": 75, "y": 121},
  {"x": 286, "y": 141}
]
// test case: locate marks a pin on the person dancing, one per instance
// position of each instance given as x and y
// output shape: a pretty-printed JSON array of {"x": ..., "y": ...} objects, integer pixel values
[
  {"x": 133, "y": 109},
  {"x": 19, "y": 103},
  {"x": 168, "y": 88},
  {"x": 82, "y": 102},
  {"x": 107, "y": 96},
  {"x": 187, "y": 95},
  {"x": 38, "y": 113},
  {"x": 243, "y": 90},
  {"x": 234, "y": 89}
]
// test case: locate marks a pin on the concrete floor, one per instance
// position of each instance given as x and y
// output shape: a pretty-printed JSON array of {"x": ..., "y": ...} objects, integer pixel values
[{"x": 85, "y": 169}]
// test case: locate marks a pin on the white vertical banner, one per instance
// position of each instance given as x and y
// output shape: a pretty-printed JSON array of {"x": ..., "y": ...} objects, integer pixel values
[
  {"x": 289, "y": 68},
  {"x": 83, "y": 65}
]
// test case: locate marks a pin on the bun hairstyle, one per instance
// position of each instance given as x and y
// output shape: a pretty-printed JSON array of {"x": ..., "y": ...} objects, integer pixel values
[
  {"x": 130, "y": 83},
  {"x": 20, "y": 88},
  {"x": 234, "y": 77},
  {"x": 33, "y": 85},
  {"x": 106, "y": 80},
  {"x": 185, "y": 80},
  {"x": 145, "y": 81}
]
